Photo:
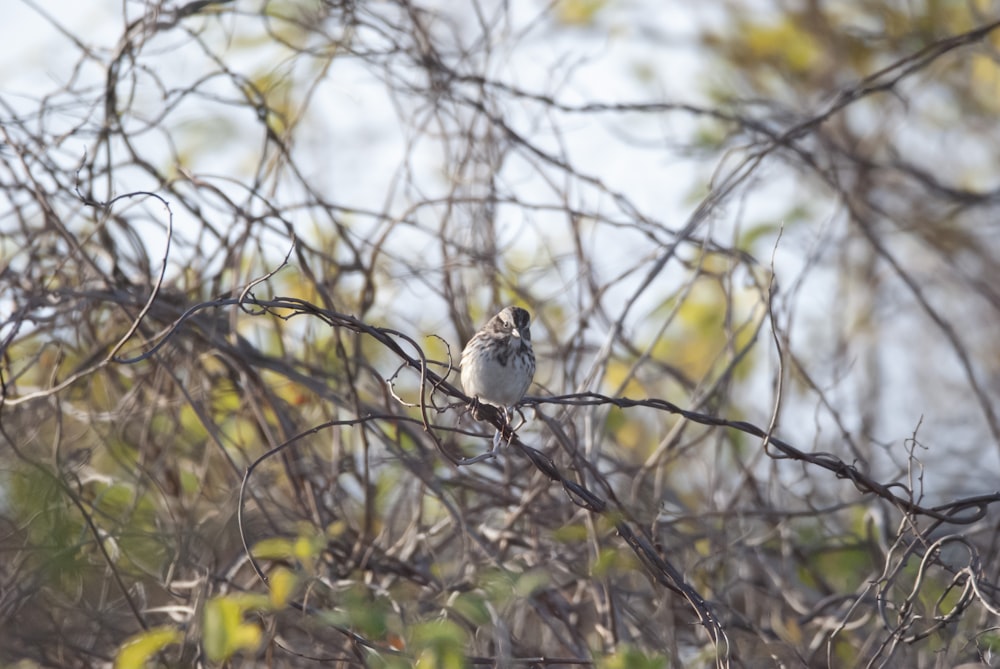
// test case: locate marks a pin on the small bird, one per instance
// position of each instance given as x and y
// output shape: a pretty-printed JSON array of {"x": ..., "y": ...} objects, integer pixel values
[{"x": 498, "y": 365}]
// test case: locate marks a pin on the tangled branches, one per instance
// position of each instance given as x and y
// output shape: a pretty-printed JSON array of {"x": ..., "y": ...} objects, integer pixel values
[{"x": 718, "y": 463}]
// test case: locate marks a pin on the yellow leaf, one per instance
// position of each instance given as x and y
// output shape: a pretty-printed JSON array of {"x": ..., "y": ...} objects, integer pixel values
[
  {"x": 307, "y": 548},
  {"x": 273, "y": 549},
  {"x": 283, "y": 584},
  {"x": 578, "y": 12},
  {"x": 784, "y": 42},
  {"x": 985, "y": 75},
  {"x": 138, "y": 649},
  {"x": 224, "y": 632}
]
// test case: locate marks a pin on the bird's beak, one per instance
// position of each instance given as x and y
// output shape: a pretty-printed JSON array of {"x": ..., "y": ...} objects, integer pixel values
[{"x": 515, "y": 332}]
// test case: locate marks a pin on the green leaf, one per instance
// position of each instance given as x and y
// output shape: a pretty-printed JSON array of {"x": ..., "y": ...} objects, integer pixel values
[
  {"x": 531, "y": 582},
  {"x": 473, "y": 607},
  {"x": 438, "y": 645},
  {"x": 361, "y": 612},
  {"x": 631, "y": 658},
  {"x": 577, "y": 531},
  {"x": 989, "y": 642}
]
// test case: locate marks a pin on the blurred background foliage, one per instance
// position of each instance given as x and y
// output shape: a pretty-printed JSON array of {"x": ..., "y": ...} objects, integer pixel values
[{"x": 783, "y": 212}]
